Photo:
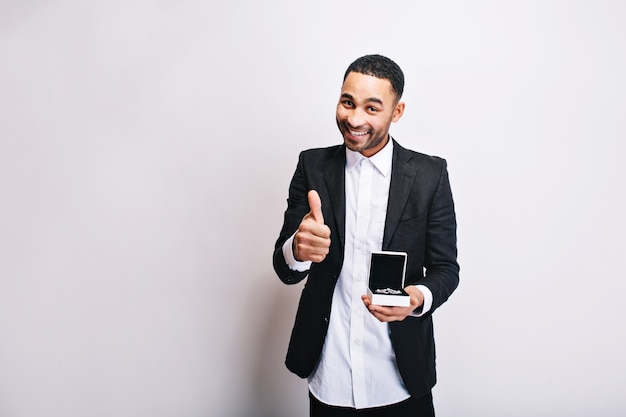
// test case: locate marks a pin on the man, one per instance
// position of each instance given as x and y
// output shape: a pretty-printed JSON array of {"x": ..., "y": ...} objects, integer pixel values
[{"x": 346, "y": 201}]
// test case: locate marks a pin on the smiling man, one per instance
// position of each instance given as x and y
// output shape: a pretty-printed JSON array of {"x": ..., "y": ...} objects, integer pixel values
[{"x": 345, "y": 202}]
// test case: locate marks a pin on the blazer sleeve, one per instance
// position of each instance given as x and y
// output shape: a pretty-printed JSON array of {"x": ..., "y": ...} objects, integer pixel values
[
  {"x": 297, "y": 208},
  {"x": 440, "y": 258}
]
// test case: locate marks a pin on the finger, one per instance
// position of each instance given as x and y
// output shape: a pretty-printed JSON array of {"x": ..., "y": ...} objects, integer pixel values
[
  {"x": 317, "y": 237},
  {"x": 315, "y": 205},
  {"x": 383, "y": 318},
  {"x": 387, "y": 314},
  {"x": 310, "y": 247}
]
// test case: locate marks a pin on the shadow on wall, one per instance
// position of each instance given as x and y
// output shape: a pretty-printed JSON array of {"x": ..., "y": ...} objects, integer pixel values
[{"x": 275, "y": 392}]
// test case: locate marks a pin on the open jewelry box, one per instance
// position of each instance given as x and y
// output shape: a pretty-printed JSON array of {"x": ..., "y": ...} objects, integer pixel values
[{"x": 386, "y": 279}]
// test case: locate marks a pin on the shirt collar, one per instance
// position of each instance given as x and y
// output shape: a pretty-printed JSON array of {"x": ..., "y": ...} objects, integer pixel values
[{"x": 381, "y": 159}]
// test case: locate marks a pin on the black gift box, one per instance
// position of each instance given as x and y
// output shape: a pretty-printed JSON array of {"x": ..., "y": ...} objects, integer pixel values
[{"x": 386, "y": 279}]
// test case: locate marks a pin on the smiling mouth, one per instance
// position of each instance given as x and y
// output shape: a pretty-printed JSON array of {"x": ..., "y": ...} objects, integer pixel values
[{"x": 357, "y": 134}]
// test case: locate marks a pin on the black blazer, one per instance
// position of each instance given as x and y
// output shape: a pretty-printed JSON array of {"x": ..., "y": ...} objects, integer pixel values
[{"x": 420, "y": 221}]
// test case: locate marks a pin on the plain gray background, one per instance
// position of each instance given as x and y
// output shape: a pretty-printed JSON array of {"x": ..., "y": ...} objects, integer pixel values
[{"x": 145, "y": 153}]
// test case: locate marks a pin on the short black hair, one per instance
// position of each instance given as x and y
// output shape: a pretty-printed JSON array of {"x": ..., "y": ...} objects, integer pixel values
[{"x": 380, "y": 67}]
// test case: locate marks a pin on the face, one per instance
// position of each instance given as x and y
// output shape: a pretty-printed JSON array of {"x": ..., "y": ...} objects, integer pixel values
[{"x": 367, "y": 107}]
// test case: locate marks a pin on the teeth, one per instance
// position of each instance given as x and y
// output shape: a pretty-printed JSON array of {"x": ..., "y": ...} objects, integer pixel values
[{"x": 353, "y": 133}]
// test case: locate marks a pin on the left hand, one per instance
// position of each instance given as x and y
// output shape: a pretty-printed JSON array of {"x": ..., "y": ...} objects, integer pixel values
[{"x": 387, "y": 314}]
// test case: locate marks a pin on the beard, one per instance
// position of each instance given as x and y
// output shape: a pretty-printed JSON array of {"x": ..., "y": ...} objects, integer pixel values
[{"x": 372, "y": 139}]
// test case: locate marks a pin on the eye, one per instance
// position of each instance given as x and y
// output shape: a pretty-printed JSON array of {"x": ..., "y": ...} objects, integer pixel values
[
  {"x": 347, "y": 103},
  {"x": 372, "y": 109}
]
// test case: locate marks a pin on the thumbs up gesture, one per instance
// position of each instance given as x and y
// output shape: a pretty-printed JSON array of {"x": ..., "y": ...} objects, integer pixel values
[{"x": 312, "y": 240}]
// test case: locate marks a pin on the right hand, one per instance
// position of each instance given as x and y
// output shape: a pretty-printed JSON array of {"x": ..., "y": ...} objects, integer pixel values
[{"x": 312, "y": 240}]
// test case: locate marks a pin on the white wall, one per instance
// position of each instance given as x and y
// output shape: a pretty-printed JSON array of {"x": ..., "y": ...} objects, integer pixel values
[{"x": 145, "y": 154}]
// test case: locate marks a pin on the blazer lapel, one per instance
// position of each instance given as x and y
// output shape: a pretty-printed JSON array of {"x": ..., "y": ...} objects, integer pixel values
[
  {"x": 403, "y": 174},
  {"x": 334, "y": 174}
]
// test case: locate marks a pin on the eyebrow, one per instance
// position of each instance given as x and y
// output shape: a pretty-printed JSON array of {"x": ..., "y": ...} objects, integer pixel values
[{"x": 371, "y": 99}]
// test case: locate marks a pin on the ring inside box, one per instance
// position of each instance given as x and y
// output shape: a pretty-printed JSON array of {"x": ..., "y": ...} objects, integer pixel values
[{"x": 388, "y": 291}]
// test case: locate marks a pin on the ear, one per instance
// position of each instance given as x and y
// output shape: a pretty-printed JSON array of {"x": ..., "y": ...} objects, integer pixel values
[{"x": 398, "y": 111}]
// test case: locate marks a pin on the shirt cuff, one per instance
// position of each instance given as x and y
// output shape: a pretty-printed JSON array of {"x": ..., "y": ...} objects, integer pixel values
[
  {"x": 428, "y": 301},
  {"x": 290, "y": 259}
]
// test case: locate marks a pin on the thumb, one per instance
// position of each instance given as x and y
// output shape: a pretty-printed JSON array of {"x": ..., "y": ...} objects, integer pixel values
[{"x": 315, "y": 205}]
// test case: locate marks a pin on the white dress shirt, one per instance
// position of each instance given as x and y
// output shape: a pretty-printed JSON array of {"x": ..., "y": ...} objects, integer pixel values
[{"x": 357, "y": 367}]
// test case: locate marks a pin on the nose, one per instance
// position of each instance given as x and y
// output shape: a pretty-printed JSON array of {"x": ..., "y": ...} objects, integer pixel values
[{"x": 356, "y": 118}]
